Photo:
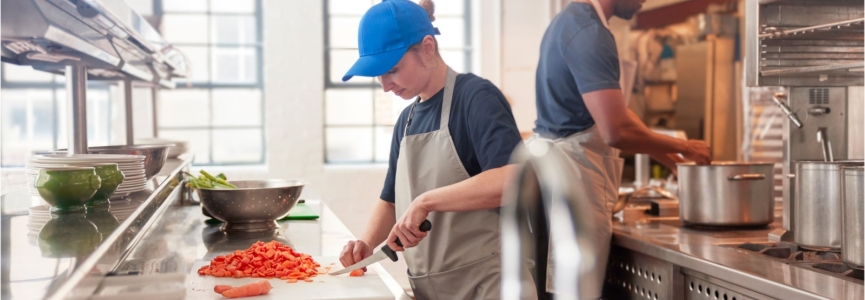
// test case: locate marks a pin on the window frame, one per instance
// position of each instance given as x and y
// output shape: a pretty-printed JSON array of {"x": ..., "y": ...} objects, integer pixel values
[
  {"x": 211, "y": 86},
  {"x": 467, "y": 50},
  {"x": 53, "y": 87}
]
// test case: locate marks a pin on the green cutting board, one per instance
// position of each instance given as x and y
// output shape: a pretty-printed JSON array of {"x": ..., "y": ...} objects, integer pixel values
[{"x": 300, "y": 211}]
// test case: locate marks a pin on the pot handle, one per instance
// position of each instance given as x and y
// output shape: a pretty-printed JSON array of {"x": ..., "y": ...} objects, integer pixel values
[{"x": 747, "y": 177}]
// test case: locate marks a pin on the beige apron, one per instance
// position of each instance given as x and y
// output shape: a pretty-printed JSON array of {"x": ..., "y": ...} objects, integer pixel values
[
  {"x": 459, "y": 258},
  {"x": 601, "y": 168}
]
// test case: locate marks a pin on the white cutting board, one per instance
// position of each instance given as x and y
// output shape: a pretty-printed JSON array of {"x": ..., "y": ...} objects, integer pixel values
[{"x": 369, "y": 286}]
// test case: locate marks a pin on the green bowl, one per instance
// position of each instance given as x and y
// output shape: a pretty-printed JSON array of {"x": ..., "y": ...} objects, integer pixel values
[
  {"x": 68, "y": 234},
  {"x": 111, "y": 177},
  {"x": 67, "y": 189},
  {"x": 103, "y": 219}
]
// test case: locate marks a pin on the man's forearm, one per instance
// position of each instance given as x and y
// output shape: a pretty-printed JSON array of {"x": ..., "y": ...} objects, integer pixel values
[
  {"x": 638, "y": 138},
  {"x": 483, "y": 191},
  {"x": 380, "y": 223}
]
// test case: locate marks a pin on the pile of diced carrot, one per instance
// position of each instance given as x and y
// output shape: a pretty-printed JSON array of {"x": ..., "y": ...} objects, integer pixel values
[{"x": 265, "y": 260}]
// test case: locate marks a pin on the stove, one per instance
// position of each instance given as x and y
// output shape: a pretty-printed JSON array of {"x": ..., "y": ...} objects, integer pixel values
[{"x": 826, "y": 262}]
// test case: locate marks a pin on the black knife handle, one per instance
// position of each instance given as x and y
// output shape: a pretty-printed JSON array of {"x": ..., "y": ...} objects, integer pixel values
[{"x": 425, "y": 226}]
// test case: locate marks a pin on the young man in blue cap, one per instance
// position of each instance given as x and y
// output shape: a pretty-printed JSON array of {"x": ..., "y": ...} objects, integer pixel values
[
  {"x": 448, "y": 162},
  {"x": 582, "y": 111}
]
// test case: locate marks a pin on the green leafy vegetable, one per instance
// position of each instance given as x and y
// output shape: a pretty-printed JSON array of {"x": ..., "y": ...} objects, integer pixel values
[{"x": 207, "y": 181}]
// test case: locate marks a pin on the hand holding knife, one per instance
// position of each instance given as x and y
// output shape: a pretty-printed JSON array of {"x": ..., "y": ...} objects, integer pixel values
[{"x": 384, "y": 252}]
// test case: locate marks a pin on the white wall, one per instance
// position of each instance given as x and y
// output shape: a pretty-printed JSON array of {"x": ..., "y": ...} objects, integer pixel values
[{"x": 522, "y": 26}]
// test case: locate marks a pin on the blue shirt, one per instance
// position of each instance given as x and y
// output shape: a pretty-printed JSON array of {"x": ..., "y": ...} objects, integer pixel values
[
  {"x": 578, "y": 56},
  {"x": 481, "y": 124}
]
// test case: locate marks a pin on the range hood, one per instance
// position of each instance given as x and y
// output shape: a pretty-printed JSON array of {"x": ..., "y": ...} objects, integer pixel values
[{"x": 107, "y": 37}]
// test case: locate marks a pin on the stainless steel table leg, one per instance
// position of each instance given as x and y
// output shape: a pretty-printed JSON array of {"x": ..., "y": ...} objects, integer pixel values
[
  {"x": 127, "y": 94},
  {"x": 154, "y": 95},
  {"x": 76, "y": 89}
]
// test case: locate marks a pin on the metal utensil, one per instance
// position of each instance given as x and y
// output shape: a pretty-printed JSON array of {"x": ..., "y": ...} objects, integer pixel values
[
  {"x": 790, "y": 114},
  {"x": 254, "y": 206},
  {"x": 384, "y": 252},
  {"x": 726, "y": 194},
  {"x": 823, "y": 139},
  {"x": 852, "y": 218}
]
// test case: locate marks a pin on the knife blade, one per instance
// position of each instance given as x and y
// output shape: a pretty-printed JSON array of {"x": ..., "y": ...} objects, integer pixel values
[{"x": 384, "y": 252}]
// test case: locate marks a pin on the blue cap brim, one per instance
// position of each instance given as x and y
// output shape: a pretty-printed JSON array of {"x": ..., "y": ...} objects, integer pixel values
[{"x": 375, "y": 64}]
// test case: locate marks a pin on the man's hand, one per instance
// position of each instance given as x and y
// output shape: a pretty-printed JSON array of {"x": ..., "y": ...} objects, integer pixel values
[
  {"x": 407, "y": 228},
  {"x": 353, "y": 252},
  {"x": 698, "y": 151}
]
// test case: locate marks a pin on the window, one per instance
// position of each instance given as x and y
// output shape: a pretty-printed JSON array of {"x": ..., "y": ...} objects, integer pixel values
[
  {"x": 34, "y": 113},
  {"x": 359, "y": 116},
  {"x": 219, "y": 109}
]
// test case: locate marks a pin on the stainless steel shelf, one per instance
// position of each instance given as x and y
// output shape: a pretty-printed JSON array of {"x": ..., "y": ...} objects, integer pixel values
[{"x": 31, "y": 271}]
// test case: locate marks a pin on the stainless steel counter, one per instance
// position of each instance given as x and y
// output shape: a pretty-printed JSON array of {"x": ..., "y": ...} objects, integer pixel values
[
  {"x": 183, "y": 235},
  {"x": 164, "y": 235},
  {"x": 71, "y": 265},
  {"x": 708, "y": 254}
]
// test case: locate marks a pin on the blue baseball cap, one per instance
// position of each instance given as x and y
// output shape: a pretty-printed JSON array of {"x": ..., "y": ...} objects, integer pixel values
[{"x": 386, "y": 32}]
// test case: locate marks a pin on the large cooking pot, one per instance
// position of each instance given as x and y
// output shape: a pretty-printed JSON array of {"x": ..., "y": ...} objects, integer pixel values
[
  {"x": 726, "y": 194},
  {"x": 852, "y": 221},
  {"x": 817, "y": 199}
]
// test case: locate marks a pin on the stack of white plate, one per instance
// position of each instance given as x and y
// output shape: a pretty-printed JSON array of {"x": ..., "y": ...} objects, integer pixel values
[
  {"x": 39, "y": 215},
  {"x": 132, "y": 167}
]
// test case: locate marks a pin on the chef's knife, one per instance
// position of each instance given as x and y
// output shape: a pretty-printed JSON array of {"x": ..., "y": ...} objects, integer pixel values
[{"x": 384, "y": 252}]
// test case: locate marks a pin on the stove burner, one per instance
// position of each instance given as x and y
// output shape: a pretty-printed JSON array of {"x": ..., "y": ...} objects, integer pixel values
[
  {"x": 827, "y": 262},
  {"x": 840, "y": 268},
  {"x": 725, "y": 227},
  {"x": 789, "y": 251}
]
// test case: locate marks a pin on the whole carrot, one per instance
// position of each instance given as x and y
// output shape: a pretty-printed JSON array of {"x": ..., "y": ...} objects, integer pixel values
[
  {"x": 221, "y": 288},
  {"x": 253, "y": 289}
]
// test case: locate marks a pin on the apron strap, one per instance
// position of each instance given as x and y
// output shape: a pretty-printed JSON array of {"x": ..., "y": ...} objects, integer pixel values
[{"x": 450, "y": 80}]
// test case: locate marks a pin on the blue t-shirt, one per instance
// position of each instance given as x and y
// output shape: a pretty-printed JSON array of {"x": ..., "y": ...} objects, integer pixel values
[
  {"x": 578, "y": 56},
  {"x": 481, "y": 124}
]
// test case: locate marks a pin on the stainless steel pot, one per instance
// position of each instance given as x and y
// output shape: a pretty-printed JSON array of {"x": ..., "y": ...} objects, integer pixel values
[
  {"x": 726, "y": 194},
  {"x": 817, "y": 199},
  {"x": 852, "y": 219}
]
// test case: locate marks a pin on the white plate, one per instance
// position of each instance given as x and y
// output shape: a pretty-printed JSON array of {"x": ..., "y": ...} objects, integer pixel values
[
  {"x": 128, "y": 189},
  {"x": 137, "y": 181},
  {"x": 120, "y": 165},
  {"x": 134, "y": 174},
  {"x": 86, "y": 158}
]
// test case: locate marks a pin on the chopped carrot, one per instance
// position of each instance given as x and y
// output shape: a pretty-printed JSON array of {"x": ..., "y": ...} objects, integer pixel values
[
  {"x": 308, "y": 280},
  {"x": 221, "y": 288},
  {"x": 292, "y": 280},
  {"x": 356, "y": 273},
  {"x": 263, "y": 260}
]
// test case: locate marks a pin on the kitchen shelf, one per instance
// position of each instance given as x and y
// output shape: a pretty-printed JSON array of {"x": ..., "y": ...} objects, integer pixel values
[
  {"x": 773, "y": 32},
  {"x": 852, "y": 67}
]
